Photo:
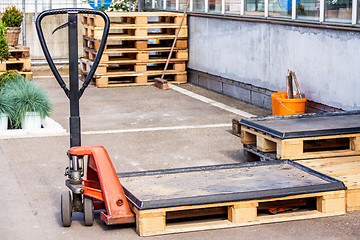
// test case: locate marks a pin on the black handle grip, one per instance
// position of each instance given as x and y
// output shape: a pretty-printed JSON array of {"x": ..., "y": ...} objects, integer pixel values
[{"x": 47, "y": 54}]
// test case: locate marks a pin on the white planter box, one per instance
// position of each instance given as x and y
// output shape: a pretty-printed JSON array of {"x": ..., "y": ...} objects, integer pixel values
[
  {"x": 49, "y": 128},
  {"x": 32, "y": 121},
  {"x": 3, "y": 121}
]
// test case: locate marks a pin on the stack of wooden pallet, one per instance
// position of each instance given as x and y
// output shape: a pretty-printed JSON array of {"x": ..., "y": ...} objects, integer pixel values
[
  {"x": 137, "y": 48},
  {"x": 332, "y": 146},
  {"x": 18, "y": 60}
]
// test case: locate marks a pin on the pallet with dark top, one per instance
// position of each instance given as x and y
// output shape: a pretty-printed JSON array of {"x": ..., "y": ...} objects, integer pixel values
[
  {"x": 302, "y": 148},
  {"x": 303, "y": 137},
  {"x": 230, "y": 195}
]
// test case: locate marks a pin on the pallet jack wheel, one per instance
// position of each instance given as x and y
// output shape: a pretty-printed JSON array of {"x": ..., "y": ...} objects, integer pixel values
[
  {"x": 66, "y": 209},
  {"x": 88, "y": 206}
]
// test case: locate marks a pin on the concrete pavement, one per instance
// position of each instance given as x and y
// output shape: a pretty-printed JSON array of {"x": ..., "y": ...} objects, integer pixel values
[{"x": 142, "y": 128}]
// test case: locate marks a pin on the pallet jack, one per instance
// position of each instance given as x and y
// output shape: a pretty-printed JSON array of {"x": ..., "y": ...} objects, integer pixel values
[
  {"x": 95, "y": 185},
  {"x": 97, "y": 191}
]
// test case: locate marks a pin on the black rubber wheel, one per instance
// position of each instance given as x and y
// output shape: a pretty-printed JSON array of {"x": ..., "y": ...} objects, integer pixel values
[
  {"x": 88, "y": 206},
  {"x": 66, "y": 209}
]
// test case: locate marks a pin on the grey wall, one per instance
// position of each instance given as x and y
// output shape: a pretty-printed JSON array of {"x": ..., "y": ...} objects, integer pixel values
[
  {"x": 57, "y": 42},
  {"x": 261, "y": 53}
]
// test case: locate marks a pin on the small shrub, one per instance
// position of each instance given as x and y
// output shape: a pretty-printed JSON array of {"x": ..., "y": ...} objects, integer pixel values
[
  {"x": 12, "y": 17},
  {"x": 4, "y": 47},
  {"x": 8, "y": 76},
  {"x": 24, "y": 96}
]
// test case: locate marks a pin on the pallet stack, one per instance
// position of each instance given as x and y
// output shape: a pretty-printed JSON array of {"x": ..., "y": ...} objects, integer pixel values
[
  {"x": 18, "y": 60},
  {"x": 335, "y": 155},
  {"x": 137, "y": 48}
]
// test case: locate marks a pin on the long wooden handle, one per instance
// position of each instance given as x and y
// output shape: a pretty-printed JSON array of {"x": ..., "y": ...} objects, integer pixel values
[
  {"x": 296, "y": 82},
  {"x": 176, "y": 36},
  {"x": 289, "y": 86},
  {"x": 136, "y": 4}
]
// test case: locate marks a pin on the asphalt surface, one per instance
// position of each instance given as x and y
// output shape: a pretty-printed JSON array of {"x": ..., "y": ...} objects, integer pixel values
[{"x": 142, "y": 128}]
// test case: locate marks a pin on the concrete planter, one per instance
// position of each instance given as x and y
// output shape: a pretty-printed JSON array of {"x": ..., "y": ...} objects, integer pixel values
[
  {"x": 3, "y": 121},
  {"x": 32, "y": 121}
]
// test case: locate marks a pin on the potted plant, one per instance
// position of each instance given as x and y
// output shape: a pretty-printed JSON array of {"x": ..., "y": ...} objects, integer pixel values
[
  {"x": 12, "y": 19},
  {"x": 29, "y": 101},
  {"x": 5, "y": 110},
  {"x": 4, "y": 47}
]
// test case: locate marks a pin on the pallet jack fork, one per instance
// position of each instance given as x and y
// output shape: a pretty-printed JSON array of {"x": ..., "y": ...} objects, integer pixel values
[{"x": 101, "y": 188}]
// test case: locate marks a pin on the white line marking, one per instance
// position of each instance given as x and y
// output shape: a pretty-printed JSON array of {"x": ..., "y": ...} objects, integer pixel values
[
  {"x": 210, "y": 101},
  {"x": 156, "y": 129}
]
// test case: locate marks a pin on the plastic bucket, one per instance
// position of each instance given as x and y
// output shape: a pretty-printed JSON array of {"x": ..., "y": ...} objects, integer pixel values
[{"x": 283, "y": 106}]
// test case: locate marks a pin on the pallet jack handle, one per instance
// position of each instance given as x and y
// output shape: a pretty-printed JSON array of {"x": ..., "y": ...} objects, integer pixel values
[
  {"x": 46, "y": 50},
  {"x": 74, "y": 93}
]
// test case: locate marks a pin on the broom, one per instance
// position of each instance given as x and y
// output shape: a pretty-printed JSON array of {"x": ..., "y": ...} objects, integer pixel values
[{"x": 161, "y": 82}]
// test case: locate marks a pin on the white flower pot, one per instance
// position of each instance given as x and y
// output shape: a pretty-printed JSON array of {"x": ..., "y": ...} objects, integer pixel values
[
  {"x": 3, "y": 121},
  {"x": 32, "y": 121}
]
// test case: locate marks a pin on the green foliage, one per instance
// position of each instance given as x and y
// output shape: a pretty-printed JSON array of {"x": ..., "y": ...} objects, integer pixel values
[
  {"x": 24, "y": 96},
  {"x": 12, "y": 17},
  {"x": 7, "y": 76},
  {"x": 116, "y": 5},
  {"x": 5, "y": 106},
  {"x": 4, "y": 47}
]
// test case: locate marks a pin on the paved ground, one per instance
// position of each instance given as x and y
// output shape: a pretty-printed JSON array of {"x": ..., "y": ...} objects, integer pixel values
[{"x": 143, "y": 128}]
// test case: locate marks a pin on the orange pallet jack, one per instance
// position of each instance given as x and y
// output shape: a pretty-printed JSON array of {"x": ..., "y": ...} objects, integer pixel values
[{"x": 96, "y": 191}]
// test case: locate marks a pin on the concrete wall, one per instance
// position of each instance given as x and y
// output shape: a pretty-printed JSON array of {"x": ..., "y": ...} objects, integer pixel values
[
  {"x": 261, "y": 53},
  {"x": 57, "y": 42}
]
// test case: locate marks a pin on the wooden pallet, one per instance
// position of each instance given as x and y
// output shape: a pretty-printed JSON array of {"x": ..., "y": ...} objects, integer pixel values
[
  {"x": 19, "y": 52},
  {"x": 302, "y": 148},
  {"x": 21, "y": 64},
  {"x": 139, "y": 31},
  {"x": 345, "y": 169},
  {"x": 137, "y": 44},
  {"x": 119, "y": 80},
  {"x": 244, "y": 213},
  {"x": 119, "y": 56},
  {"x": 129, "y": 68},
  {"x": 135, "y": 18}
]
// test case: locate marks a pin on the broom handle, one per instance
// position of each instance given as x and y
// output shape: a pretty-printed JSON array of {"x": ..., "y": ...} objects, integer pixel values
[
  {"x": 136, "y": 4},
  {"x": 296, "y": 83},
  {"x": 176, "y": 36}
]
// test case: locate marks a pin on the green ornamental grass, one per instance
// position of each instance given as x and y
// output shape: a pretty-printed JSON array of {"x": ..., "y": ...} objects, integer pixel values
[
  {"x": 24, "y": 96},
  {"x": 5, "y": 106}
]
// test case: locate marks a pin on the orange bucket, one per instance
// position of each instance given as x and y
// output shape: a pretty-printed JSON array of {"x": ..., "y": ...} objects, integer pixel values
[{"x": 281, "y": 105}]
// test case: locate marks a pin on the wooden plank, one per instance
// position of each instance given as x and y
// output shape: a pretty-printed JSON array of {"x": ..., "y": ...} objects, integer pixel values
[
  {"x": 140, "y": 80},
  {"x": 236, "y": 128},
  {"x": 353, "y": 200},
  {"x": 328, "y": 161}
]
